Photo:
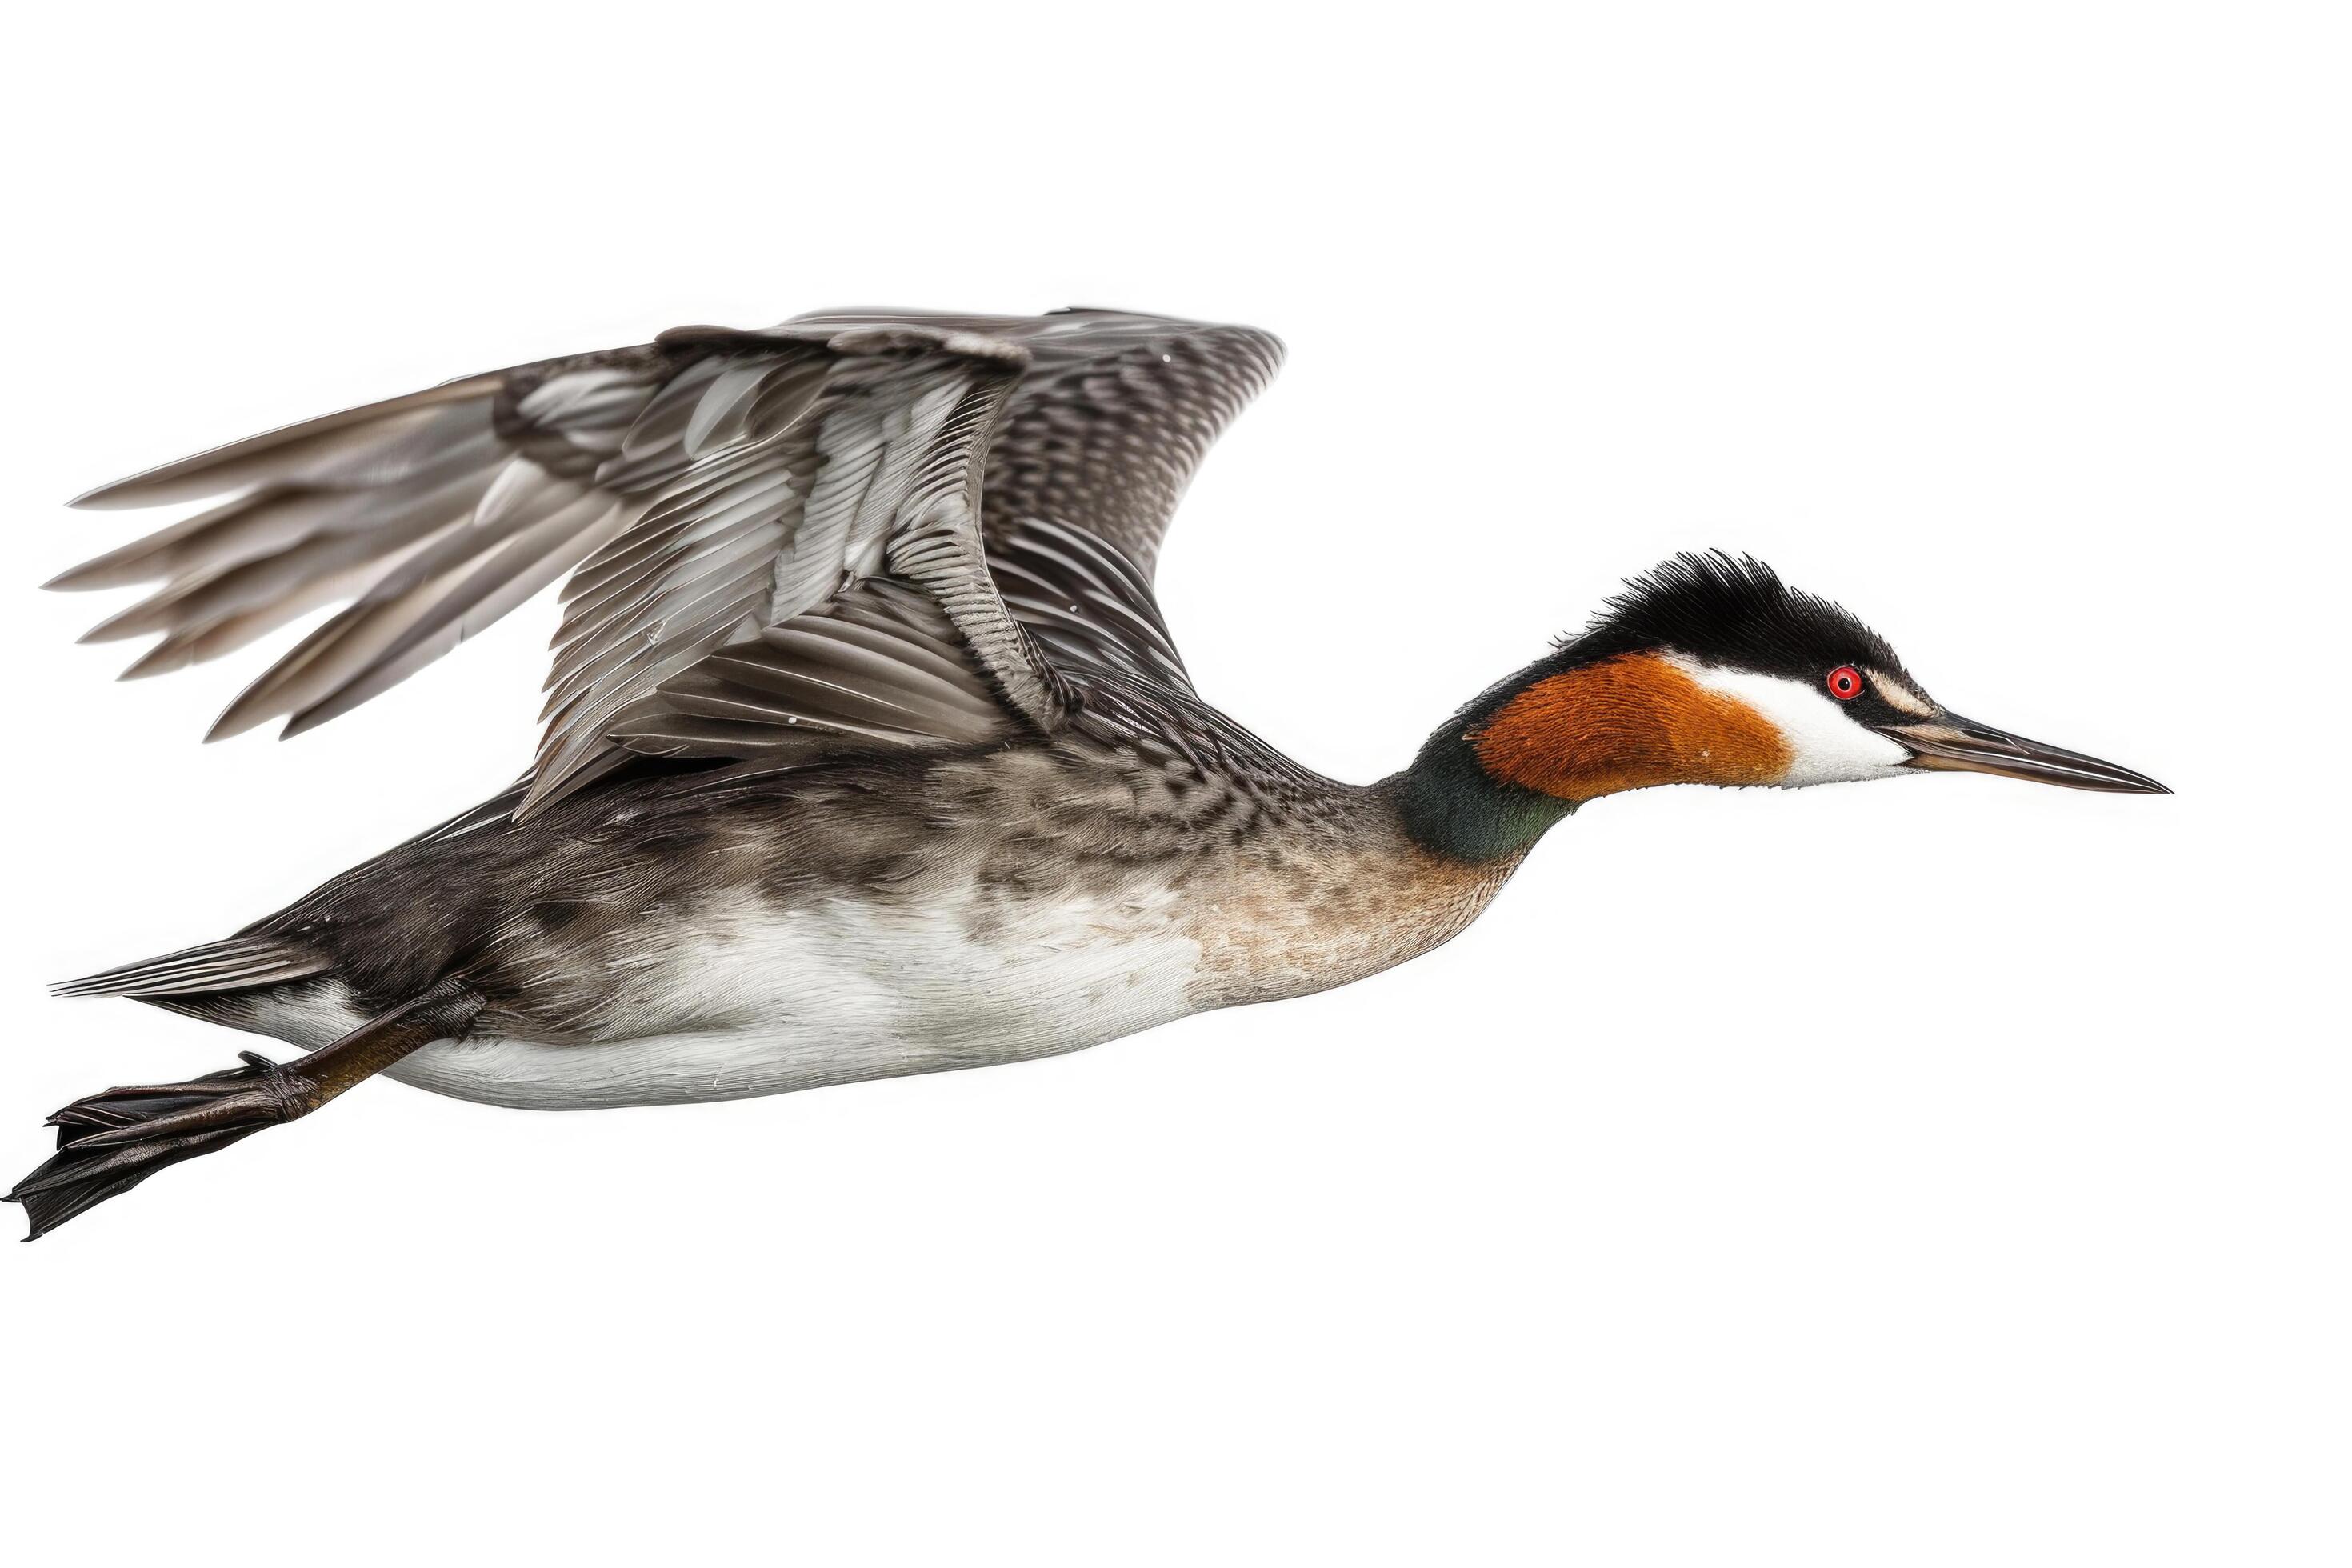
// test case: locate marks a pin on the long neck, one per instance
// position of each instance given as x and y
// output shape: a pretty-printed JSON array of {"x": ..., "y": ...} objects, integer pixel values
[
  {"x": 1454, "y": 806},
  {"x": 1566, "y": 729}
]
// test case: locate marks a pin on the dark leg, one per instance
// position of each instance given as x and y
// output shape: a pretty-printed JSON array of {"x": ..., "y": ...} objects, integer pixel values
[{"x": 110, "y": 1143}]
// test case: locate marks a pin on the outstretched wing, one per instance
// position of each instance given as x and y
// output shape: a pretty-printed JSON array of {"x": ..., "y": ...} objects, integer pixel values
[
  {"x": 782, "y": 525},
  {"x": 776, "y": 539}
]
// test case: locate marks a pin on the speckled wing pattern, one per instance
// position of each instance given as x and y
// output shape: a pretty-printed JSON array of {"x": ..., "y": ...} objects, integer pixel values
[{"x": 775, "y": 538}]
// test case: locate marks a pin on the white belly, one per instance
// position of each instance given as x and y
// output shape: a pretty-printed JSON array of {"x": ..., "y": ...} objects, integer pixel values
[{"x": 758, "y": 1002}]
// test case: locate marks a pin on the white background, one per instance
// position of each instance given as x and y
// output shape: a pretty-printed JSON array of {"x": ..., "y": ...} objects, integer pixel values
[{"x": 1953, "y": 1172}]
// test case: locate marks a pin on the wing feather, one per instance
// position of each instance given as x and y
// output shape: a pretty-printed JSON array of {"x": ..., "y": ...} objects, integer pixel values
[{"x": 368, "y": 446}]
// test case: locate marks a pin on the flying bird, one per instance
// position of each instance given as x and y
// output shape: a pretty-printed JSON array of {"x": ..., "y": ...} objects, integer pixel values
[{"x": 866, "y": 749}]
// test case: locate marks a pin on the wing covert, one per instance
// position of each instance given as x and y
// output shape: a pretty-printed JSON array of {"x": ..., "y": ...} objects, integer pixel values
[{"x": 781, "y": 470}]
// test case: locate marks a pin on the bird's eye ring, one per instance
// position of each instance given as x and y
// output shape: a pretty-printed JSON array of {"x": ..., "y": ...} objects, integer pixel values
[{"x": 1845, "y": 683}]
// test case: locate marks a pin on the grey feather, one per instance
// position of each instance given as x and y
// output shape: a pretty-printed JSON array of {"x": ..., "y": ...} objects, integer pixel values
[
  {"x": 368, "y": 445},
  {"x": 237, "y": 963}
]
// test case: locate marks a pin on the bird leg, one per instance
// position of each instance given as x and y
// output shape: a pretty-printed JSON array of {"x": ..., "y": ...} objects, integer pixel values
[{"x": 110, "y": 1143}]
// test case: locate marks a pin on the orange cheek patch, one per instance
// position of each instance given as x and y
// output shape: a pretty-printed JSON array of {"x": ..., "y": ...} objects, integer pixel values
[{"x": 1627, "y": 723}]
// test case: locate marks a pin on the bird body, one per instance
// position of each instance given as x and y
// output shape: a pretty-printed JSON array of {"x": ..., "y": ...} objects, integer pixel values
[
  {"x": 664, "y": 941},
  {"x": 866, "y": 749}
]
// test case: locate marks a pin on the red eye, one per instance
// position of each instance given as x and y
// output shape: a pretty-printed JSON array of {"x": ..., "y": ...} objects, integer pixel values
[{"x": 1845, "y": 683}]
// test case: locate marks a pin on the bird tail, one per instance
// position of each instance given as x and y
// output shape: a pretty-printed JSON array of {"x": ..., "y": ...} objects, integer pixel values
[{"x": 232, "y": 964}]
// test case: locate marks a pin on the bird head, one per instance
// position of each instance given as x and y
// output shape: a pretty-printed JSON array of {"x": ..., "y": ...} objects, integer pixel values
[
  {"x": 1707, "y": 670},
  {"x": 1710, "y": 670}
]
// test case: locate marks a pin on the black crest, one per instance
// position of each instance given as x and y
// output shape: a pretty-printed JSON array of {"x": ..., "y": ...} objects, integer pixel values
[{"x": 1735, "y": 612}]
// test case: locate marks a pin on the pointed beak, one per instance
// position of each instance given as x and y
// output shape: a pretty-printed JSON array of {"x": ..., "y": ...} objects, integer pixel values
[{"x": 1951, "y": 743}]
